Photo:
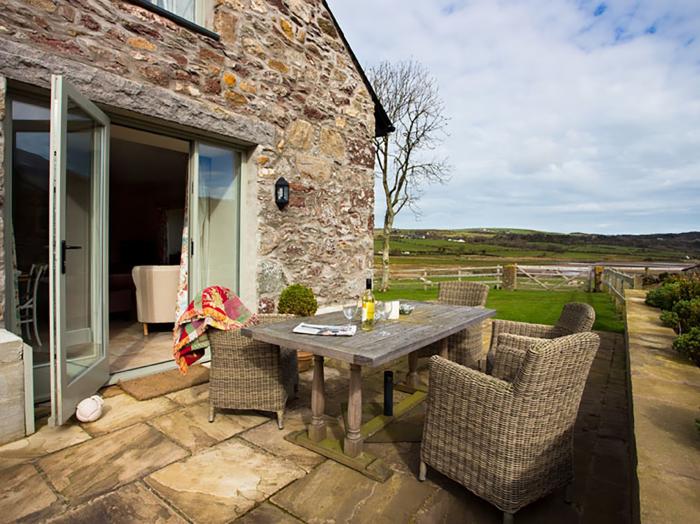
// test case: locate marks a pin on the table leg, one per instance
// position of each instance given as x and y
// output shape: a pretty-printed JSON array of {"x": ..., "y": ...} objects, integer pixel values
[
  {"x": 317, "y": 428},
  {"x": 444, "y": 348},
  {"x": 412, "y": 378},
  {"x": 353, "y": 437}
]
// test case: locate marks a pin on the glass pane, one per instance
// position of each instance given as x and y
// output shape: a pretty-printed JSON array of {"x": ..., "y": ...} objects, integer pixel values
[
  {"x": 183, "y": 8},
  {"x": 83, "y": 303},
  {"x": 30, "y": 224},
  {"x": 218, "y": 217}
]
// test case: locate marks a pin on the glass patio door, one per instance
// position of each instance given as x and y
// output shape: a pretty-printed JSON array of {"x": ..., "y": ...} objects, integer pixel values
[
  {"x": 77, "y": 248},
  {"x": 214, "y": 217}
]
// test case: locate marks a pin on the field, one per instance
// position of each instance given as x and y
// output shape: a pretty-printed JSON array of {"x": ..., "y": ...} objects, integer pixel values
[
  {"x": 484, "y": 247},
  {"x": 541, "y": 307}
]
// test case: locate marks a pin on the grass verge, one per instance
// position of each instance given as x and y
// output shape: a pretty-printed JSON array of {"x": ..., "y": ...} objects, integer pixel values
[{"x": 540, "y": 307}]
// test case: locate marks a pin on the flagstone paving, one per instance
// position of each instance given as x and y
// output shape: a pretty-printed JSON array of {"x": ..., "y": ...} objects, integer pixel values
[
  {"x": 191, "y": 395},
  {"x": 223, "y": 482},
  {"x": 162, "y": 461},
  {"x": 23, "y": 493},
  {"x": 108, "y": 462},
  {"x": 123, "y": 410},
  {"x": 190, "y": 426},
  {"x": 132, "y": 503},
  {"x": 45, "y": 441},
  {"x": 266, "y": 513},
  {"x": 269, "y": 437}
]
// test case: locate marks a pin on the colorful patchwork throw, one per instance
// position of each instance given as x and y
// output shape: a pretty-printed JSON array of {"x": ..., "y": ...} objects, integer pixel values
[{"x": 217, "y": 307}]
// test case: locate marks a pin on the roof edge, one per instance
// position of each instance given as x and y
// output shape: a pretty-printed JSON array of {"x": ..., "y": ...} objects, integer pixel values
[{"x": 382, "y": 124}]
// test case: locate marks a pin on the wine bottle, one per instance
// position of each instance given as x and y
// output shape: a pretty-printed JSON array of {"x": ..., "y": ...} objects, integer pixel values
[{"x": 368, "y": 307}]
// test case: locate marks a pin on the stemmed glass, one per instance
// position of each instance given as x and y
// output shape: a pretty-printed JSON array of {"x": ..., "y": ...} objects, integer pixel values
[
  {"x": 380, "y": 313},
  {"x": 349, "y": 311}
]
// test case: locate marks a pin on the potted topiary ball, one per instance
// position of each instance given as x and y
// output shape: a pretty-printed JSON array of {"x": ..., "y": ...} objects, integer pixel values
[{"x": 299, "y": 300}]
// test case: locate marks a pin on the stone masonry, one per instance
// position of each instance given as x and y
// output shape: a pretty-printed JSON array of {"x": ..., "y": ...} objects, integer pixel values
[{"x": 280, "y": 81}]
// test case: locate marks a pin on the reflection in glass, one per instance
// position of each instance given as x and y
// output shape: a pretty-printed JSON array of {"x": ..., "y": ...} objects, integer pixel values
[
  {"x": 218, "y": 217},
  {"x": 83, "y": 304},
  {"x": 183, "y": 8},
  {"x": 30, "y": 222}
]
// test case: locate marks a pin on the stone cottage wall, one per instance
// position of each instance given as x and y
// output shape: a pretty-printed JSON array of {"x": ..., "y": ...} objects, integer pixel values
[{"x": 280, "y": 78}]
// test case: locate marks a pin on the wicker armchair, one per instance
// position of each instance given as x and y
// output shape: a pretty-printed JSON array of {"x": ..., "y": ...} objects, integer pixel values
[
  {"x": 576, "y": 317},
  {"x": 465, "y": 347},
  {"x": 248, "y": 374},
  {"x": 510, "y": 443}
]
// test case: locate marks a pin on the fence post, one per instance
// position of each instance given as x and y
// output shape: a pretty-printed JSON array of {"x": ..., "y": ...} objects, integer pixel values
[
  {"x": 459, "y": 275},
  {"x": 425, "y": 280},
  {"x": 510, "y": 277},
  {"x": 597, "y": 278},
  {"x": 638, "y": 282}
]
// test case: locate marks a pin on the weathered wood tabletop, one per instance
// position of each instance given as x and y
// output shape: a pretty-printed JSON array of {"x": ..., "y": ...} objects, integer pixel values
[{"x": 387, "y": 341}]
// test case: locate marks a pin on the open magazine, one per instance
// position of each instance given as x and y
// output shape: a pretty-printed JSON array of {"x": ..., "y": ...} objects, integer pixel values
[{"x": 332, "y": 331}]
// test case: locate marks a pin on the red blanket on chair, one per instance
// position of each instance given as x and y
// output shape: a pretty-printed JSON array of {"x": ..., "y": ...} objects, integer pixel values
[{"x": 217, "y": 307}]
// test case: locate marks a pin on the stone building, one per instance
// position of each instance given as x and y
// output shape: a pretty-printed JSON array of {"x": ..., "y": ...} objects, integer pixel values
[{"x": 154, "y": 115}]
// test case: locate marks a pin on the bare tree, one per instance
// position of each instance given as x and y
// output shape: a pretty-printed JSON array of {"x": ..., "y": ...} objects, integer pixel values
[{"x": 405, "y": 158}]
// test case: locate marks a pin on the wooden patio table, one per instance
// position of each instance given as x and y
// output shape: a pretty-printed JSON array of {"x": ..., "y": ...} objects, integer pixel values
[{"x": 387, "y": 341}]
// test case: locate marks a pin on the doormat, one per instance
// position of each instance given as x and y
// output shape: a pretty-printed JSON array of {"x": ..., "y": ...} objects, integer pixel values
[{"x": 152, "y": 386}]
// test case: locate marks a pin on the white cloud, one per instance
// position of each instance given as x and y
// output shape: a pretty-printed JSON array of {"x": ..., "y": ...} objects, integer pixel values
[{"x": 560, "y": 120}]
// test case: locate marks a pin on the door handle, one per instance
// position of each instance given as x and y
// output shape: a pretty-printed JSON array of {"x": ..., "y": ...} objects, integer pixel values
[{"x": 65, "y": 247}]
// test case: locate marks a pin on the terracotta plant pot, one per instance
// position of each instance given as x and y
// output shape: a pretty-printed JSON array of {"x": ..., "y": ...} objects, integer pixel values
[{"x": 304, "y": 360}]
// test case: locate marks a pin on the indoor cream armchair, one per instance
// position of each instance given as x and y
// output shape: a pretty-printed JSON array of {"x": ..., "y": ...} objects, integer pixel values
[
  {"x": 156, "y": 294},
  {"x": 510, "y": 443}
]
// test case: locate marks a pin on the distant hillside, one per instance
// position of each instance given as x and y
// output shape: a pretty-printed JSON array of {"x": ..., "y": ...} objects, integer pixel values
[{"x": 482, "y": 243}]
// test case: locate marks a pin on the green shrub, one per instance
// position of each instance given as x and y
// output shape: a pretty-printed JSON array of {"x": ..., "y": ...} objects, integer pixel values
[
  {"x": 688, "y": 313},
  {"x": 670, "y": 319},
  {"x": 664, "y": 296},
  {"x": 688, "y": 344},
  {"x": 674, "y": 289},
  {"x": 297, "y": 300}
]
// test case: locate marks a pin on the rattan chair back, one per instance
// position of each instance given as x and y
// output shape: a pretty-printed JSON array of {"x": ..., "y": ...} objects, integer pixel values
[
  {"x": 463, "y": 293},
  {"x": 576, "y": 317}
]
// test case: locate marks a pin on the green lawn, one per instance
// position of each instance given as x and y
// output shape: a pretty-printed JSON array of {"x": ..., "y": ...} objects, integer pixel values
[{"x": 541, "y": 307}]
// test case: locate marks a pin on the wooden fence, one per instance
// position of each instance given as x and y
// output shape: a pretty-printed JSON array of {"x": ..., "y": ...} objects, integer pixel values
[
  {"x": 528, "y": 277},
  {"x": 612, "y": 279},
  {"x": 615, "y": 282}
]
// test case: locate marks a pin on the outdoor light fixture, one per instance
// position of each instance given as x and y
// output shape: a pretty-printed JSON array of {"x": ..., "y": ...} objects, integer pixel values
[{"x": 281, "y": 193}]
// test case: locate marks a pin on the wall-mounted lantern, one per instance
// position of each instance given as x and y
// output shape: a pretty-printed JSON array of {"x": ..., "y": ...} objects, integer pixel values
[{"x": 281, "y": 193}]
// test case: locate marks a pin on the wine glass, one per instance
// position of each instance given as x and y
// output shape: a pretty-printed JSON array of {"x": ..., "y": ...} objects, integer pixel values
[
  {"x": 379, "y": 311},
  {"x": 349, "y": 311}
]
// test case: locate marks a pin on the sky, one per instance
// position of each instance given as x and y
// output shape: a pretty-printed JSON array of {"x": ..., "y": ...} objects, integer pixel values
[{"x": 564, "y": 115}]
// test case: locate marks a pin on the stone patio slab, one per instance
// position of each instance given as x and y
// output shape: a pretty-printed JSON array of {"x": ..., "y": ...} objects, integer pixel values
[
  {"x": 671, "y": 428},
  {"x": 23, "y": 494},
  {"x": 189, "y": 396},
  {"x": 46, "y": 440},
  {"x": 124, "y": 410},
  {"x": 268, "y": 514},
  {"x": 334, "y": 493},
  {"x": 223, "y": 482},
  {"x": 190, "y": 426},
  {"x": 132, "y": 503},
  {"x": 270, "y": 438},
  {"x": 108, "y": 462},
  {"x": 453, "y": 503},
  {"x": 111, "y": 391}
]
